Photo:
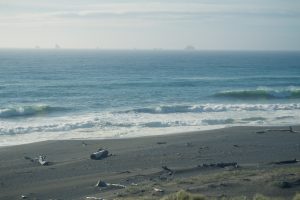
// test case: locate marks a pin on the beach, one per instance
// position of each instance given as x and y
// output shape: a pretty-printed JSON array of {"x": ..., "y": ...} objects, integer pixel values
[{"x": 154, "y": 166}]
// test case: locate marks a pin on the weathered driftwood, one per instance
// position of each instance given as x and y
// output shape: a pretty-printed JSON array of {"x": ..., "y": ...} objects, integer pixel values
[
  {"x": 158, "y": 190},
  {"x": 220, "y": 165},
  {"x": 289, "y": 184},
  {"x": 96, "y": 198},
  {"x": 103, "y": 184},
  {"x": 170, "y": 172},
  {"x": 100, "y": 154},
  {"x": 286, "y": 162},
  {"x": 28, "y": 158},
  {"x": 161, "y": 142},
  {"x": 42, "y": 160}
]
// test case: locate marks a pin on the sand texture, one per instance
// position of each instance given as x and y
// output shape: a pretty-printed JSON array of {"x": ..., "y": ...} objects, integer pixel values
[{"x": 191, "y": 162}]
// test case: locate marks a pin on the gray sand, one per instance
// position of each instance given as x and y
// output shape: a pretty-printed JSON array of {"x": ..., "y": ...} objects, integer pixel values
[{"x": 72, "y": 174}]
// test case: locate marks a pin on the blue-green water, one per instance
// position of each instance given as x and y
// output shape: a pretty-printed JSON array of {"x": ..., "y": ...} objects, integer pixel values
[{"x": 60, "y": 94}]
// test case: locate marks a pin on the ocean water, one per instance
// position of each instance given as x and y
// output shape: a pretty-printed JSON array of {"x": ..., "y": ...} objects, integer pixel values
[{"x": 74, "y": 94}]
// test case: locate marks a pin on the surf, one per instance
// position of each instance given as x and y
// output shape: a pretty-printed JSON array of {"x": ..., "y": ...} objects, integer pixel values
[
  {"x": 261, "y": 93},
  {"x": 27, "y": 111}
]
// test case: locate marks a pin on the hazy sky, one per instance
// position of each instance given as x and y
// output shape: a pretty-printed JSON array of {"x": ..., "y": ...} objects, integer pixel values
[{"x": 170, "y": 24}]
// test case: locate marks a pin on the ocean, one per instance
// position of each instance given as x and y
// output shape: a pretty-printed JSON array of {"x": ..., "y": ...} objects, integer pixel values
[{"x": 89, "y": 94}]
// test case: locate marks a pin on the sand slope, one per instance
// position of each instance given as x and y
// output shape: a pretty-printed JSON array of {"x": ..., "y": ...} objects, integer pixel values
[{"x": 136, "y": 163}]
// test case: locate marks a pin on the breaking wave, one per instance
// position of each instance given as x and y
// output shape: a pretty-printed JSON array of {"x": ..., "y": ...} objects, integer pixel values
[
  {"x": 262, "y": 93},
  {"x": 26, "y": 111},
  {"x": 147, "y": 120},
  {"x": 214, "y": 108}
]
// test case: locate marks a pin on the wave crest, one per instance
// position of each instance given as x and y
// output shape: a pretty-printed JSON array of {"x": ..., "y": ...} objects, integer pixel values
[
  {"x": 214, "y": 108},
  {"x": 26, "y": 111},
  {"x": 261, "y": 93}
]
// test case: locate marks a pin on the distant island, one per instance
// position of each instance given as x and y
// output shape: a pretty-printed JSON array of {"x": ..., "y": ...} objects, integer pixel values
[{"x": 190, "y": 48}]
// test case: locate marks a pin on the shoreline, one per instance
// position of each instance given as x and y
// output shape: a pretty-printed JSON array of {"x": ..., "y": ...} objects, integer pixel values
[
  {"x": 157, "y": 134},
  {"x": 137, "y": 163}
]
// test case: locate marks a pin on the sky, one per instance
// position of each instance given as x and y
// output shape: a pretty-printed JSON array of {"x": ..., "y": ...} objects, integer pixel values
[{"x": 145, "y": 24}]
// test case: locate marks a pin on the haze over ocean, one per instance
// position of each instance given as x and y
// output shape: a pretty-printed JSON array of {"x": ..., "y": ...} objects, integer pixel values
[{"x": 62, "y": 94}]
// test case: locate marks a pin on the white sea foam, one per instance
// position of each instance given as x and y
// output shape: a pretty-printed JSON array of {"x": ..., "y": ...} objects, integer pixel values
[
  {"x": 262, "y": 93},
  {"x": 27, "y": 110},
  {"x": 142, "y": 122},
  {"x": 215, "y": 108}
]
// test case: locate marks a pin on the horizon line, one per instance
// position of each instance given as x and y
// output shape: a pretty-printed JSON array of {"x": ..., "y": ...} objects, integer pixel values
[{"x": 145, "y": 49}]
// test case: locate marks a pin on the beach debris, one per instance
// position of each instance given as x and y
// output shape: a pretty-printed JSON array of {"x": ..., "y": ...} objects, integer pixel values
[
  {"x": 286, "y": 162},
  {"x": 100, "y": 154},
  {"x": 158, "y": 190},
  {"x": 289, "y": 184},
  {"x": 28, "y": 158},
  {"x": 235, "y": 145},
  {"x": 116, "y": 185},
  {"x": 220, "y": 165},
  {"x": 103, "y": 184},
  {"x": 170, "y": 172},
  {"x": 96, "y": 198},
  {"x": 24, "y": 196},
  {"x": 161, "y": 142},
  {"x": 42, "y": 160},
  {"x": 83, "y": 144},
  {"x": 125, "y": 172},
  {"x": 260, "y": 132}
]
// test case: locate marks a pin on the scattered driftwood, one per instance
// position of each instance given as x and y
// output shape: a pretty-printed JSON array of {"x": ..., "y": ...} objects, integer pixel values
[
  {"x": 161, "y": 142},
  {"x": 170, "y": 172},
  {"x": 158, "y": 190},
  {"x": 220, "y": 165},
  {"x": 290, "y": 129},
  {"x": 103, "y": 184},
  {"x": 100, "y": 154},
  {"x": 28, "y": 158},
  {"x": 289, "y": 184},
  {"x": 96, "y": 198},
  {"x": 125, "y": 172},
  {"x": 41, "y": 159},
  {"x": 286, "y": 162}
]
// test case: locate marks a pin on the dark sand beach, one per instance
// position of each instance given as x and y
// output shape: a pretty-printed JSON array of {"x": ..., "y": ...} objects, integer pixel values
[{"x": 137, "y": 164}]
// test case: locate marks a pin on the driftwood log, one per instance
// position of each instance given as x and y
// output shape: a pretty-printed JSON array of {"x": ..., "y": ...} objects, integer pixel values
[
  {"x": 286, "y": 162},
  {"x": 220, "y": 165},
  {"x": 170, "y": 172},
  {"x": 100, "y": 154}
]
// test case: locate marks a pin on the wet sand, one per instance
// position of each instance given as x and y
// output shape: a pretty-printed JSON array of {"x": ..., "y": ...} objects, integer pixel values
[{"x": 137, "y": 164}]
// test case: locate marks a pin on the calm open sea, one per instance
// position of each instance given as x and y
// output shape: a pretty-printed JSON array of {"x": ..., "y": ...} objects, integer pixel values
[{"x": 63, "y": 94}]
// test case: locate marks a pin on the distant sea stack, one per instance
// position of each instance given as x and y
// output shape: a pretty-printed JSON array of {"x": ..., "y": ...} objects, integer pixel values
[
  {"x": 57, "y": 46},
  {"x": 190, "y": 48}
]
